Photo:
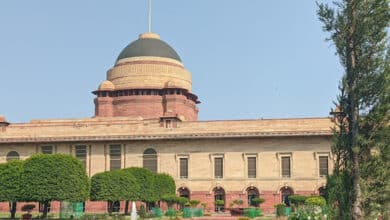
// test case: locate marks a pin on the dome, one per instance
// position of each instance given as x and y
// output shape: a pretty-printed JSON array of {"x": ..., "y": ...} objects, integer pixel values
[
  {"x": 106, "y": 86},
  {"x": 148, "y": 44}
]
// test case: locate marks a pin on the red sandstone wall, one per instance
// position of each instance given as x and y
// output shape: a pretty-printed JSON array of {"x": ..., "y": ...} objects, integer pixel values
[
  {"x": 271, "y": 198},
  {"x": 180, "y": 105},
  {"x": 146, "y": 106},
  {"x": 103, "y": 107}
]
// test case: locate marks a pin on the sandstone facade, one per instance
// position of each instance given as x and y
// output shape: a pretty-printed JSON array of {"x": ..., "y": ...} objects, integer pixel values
[{"x": 146, "y": 116}]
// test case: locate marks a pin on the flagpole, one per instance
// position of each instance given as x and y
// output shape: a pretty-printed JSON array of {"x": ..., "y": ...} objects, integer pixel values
[{"x": 150, "y": 16}]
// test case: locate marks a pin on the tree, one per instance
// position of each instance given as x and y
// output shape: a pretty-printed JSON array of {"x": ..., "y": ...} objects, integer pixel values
[
  {"x": 163, "y": 185},
  {"x": 50, "y": 177},
  {"x": 144, "y": 178},
  {"x": 358, "y": 30},
  {"x": 114, "y": 186},
  {"x": 376, "y": 136},
  {"x": 11, "y": 184}
]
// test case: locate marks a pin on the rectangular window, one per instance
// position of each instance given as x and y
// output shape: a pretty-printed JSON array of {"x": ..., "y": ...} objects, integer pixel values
[
  {"x": 251, "y": 167},
  {"x": 323, "y": 165},
  {"x": 81, "y": 154},
  {"x": 115, "y": 157},
  {"x": 47, "y": 149},
  {"x": 218, "y": 167},
  {"x": 286, "y": 167},
  {"x": 184, "y": 168}
]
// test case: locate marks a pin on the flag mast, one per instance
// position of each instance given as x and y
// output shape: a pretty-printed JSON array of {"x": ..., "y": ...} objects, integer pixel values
[{"x": 150, "y": 16}]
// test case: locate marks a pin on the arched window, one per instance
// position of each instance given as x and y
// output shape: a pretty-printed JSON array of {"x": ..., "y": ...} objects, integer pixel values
[
  {"x": 322, "y": 191},
  {"x": 219, "y": 194},
  {"x": 286, "y": 192},
  {"x": 150, "y": 159},
  {"x": 253, "y": 193},
  {"x": 184, "y": 192},
  {"x": 12, "y": 155}
]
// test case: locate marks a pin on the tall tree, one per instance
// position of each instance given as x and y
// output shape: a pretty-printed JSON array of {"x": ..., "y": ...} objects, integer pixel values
[
  {"x": 114, "y": 186},
  {"x": 11, "y": 184},
  {"x": 145, "y": 179},
  {"x": 358, "y": 28},
  {"x": 54, "y": 177},
  {"x": 164, "y": 185}
]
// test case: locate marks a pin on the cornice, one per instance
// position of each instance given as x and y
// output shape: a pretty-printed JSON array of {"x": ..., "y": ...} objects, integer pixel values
[{"x": 93, "y": 138}]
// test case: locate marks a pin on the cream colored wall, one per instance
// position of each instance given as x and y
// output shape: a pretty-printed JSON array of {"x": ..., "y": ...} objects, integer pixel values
[{"x": 304, "y": 153}]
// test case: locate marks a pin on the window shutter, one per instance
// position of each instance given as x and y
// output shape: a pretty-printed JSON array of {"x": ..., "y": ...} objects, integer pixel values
[
  {"x": 218, "y": 167},
  {"x": 323, "y": 165},
  {"x": 286, "y": 167},
  {"x": 150, "y": 160},
  {"x": 81, "y": 154},
  {"x": 184, "y": 168},
  {"x": 47, "y": 149},
  {"x": 251, "y": 167},
  {"x": 115, "y": 157}
]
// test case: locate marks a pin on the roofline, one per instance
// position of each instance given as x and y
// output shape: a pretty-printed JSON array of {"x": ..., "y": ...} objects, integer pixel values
[
  {"x": 119, "y": 119},
  {"x": 165, "y": 137}
]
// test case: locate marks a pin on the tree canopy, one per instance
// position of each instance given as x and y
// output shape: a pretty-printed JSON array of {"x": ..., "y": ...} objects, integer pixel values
[
  {"x": 114, "y": 186},
  {"x": 10, "y": 183},
  {"x": 58, "y": 177},
  {"x": 145, "y": 180},
  {"x": 164, "y": 185}
]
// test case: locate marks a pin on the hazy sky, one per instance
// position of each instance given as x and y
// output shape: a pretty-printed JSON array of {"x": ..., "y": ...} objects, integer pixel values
[{"x": 249, "y": 59}]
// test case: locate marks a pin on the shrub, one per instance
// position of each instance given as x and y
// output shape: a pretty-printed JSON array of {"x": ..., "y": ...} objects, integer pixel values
[
  {"x": 142, "y": 212},
  {"x": 257, "y": 201},
  {"x": 187, "y": 213},
  {"x": 280, "y": 209},
  {"x": 157, "y": 212},
  {"x": 182, "y": 200},
  {"x": 198, "y": 212},
  {"x": 172, "y": 199},
  {"x": 237, "y": 202},
  {"x": 219, "y": 202},
  {"x": 194, "y": 203},
  {"x": 170, "y": 212},
  {"x": 204, "y": 205},
  {"x": 297, "y": 200},
  {"x": 252, "y": 212},
  {"x": 315, "y": 201}
]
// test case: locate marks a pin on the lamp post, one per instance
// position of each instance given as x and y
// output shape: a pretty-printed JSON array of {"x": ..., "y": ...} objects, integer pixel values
[{"x": 338, "y": 114}]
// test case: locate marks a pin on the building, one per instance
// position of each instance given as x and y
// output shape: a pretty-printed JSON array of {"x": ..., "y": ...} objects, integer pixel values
[{"x": 146, "y": 116}]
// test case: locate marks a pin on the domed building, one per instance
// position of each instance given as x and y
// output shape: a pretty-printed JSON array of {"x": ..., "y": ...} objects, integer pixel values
[
  {"x": 146, "y": 115},
  {"x": 147, "y": 80}
]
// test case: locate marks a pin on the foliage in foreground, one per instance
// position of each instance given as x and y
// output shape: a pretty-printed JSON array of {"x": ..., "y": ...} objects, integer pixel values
[
  {"x": 56, "y": 177},
  {"x": 358, "y": 29}
]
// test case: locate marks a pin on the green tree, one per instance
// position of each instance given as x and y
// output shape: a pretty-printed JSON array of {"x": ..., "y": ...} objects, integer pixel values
[
  {"x": 54, "y": 177},
  {"x": 163, "y": 185},
  {"x": 131, "y": 185},
  {"x": 145, "y": 179},
  {"x": 358, "y": 28},
  {"x": 375, "y": 169},
  {"x": 114, "y": 186},
  {"x": 11, "y": 184}
]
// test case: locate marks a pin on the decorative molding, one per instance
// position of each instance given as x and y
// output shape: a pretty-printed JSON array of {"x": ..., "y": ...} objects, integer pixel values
[{"x": 160, "y": 137}]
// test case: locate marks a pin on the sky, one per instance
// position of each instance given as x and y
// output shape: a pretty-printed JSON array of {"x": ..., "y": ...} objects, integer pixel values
[{"x": 249, "y": 59}]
